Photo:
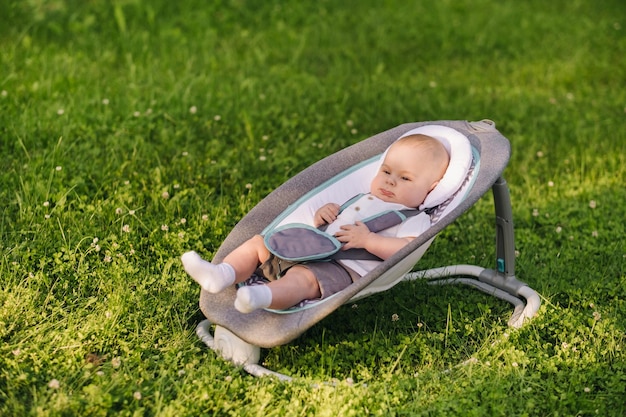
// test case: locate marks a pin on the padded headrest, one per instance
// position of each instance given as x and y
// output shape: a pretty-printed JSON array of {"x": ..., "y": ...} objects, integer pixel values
[{"x": 460, "y": 152}]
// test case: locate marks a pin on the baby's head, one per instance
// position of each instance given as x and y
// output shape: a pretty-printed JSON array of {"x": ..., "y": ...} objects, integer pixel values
[{"x": 412, "y": 167}]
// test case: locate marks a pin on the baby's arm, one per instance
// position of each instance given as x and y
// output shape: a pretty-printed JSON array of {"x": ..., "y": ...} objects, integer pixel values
[
  {"x": 359, "y": 236},
  {"x": 326, "y": 214}
]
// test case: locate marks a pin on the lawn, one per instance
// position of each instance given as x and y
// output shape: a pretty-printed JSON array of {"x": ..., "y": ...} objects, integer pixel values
[{"x": 132, "y": 131}]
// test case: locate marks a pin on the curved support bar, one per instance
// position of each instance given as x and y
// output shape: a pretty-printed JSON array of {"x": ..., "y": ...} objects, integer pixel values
[
  {"x": 486, "y": 288},
  {"x": 533, "y": 302},
  {"x": 260, "y": 371},
  {"x": 522, "y": 309}
]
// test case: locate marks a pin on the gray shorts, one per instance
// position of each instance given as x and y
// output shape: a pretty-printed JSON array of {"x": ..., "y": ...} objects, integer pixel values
[{"x": 331, "y": 275}]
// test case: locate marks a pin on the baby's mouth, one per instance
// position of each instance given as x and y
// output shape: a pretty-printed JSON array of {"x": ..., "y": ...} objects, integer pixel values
[{"x": 386, "y": 193}]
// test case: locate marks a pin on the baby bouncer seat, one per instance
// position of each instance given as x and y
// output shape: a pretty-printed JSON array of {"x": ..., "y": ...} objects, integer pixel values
[{"x": 478, "y": 156}]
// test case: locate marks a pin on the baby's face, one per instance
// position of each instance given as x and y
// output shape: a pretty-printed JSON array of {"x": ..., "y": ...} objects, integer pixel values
[{"x": 405, "y": 177}]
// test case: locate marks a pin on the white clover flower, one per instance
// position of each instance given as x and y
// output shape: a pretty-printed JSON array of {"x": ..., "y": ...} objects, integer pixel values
[
  {"x": 119, "y": 211},
  {"x": 105, "y": 101},
  {"x": 539, "y": 154},
  {"x": 126, "y": 228},
  {"x": 263, "y": 158},
  {"x": 137, "y": 114},
  {"x": 559, "y": 229},
  {"x": 131, "y": 212},
  {"x": 592, "y": 204},
  {"x": 108, "y": 258},
  {"x": 432, "y": 84},
  {"x": 349, "y": 123},
  {"x": 116, "y": 362},
  {"x": 193, "y": 109},
  {"x": 395, "y": 317},
  {"x": 60, "y": 112},
  {"x": 181, "y": 235},
  {"x": 205, "y": 217},
  {"x": 594, "y": 233},
  {"x": 165, "y": 195},
  {"x": 137, "y": 395},
  {"x": 165, "y": 227},
  {"x": 4, "y": 93},
  {"x": 587, "y": 389},
  {"x": 185, "y": 153},
  {"x": 46, "y": 203},
  {"x": 265, "y": 137},
  {"x": 183, "y": 220},
  {"x": 249, "y": 186},
  {"x": 550, "y": 184},
  {"x": 217, "y": 117},
  {"x": 354, "y": 131},
  {"x": 59, "y": 168},
  {"x": 54, "y": 384}
]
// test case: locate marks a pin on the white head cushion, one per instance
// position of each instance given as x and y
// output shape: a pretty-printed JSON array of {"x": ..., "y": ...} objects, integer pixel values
[{"x": 460, "y": 152}]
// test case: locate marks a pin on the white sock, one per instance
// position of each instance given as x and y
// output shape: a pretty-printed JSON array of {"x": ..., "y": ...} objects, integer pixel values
[
  {"x": 253, "y": 297},
  {"x": 212, "y": 278}
]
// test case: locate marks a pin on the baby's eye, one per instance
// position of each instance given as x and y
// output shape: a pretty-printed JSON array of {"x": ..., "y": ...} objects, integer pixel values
[{"x": 406, "y": 179}]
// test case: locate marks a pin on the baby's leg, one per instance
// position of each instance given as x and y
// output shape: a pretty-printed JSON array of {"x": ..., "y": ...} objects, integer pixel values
[
  {"x": 298, "y": 284},
  {"x": 237, "y": 266}
]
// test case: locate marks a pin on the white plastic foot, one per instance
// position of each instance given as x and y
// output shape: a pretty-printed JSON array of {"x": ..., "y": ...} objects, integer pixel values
[{"x": 233, "y": 349}]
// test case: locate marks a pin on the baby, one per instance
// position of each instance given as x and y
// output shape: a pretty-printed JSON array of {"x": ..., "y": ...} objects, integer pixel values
[{"x": 412, "y": 167}]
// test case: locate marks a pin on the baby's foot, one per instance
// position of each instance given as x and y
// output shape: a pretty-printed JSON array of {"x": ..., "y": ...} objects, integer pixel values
[
  {"x": 212, "y": 278},
  {"x": 253, "y": 297}
]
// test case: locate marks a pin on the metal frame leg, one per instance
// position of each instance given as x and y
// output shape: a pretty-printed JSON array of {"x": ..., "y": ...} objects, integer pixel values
[{"x": 501, "y": 281}]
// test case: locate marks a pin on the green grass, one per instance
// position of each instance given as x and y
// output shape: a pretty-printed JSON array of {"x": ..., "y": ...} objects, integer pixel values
[{"x": 132, "y": 131}]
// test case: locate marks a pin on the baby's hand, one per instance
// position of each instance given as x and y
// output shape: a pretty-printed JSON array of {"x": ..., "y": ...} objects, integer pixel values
[
  {"x": 353, "y": 235},
  {"x": 326, "y": 214}
]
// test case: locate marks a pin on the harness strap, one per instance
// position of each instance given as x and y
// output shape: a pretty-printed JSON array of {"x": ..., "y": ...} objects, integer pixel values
[{"x": 381, "y": 221}]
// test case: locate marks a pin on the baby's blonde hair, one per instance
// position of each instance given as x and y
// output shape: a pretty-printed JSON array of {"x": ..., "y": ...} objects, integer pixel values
[{"x": 433, "y": 148}]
